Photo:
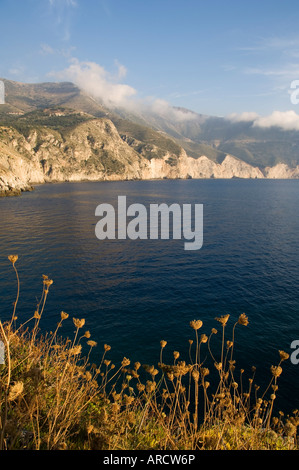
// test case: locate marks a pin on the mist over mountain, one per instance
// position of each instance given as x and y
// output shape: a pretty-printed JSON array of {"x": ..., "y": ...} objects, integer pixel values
[{"x": 45, "y": 128}]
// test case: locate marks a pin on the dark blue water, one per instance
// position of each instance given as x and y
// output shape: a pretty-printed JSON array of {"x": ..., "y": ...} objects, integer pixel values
[{"x": 135, "y": 293}]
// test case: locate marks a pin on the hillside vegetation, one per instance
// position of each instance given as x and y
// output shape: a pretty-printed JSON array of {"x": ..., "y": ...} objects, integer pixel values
[
  {"x": 53, "y": 397},
  {"x": 53, "y": 132}
]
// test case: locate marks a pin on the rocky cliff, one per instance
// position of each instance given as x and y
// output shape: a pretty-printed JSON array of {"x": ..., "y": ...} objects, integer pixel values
[
  {"x": 55, "y": 133},
  {"x": 94, "y": 150}
]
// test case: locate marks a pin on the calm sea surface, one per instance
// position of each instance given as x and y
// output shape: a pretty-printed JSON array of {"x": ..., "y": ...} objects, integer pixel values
[{"x": 135, "y": 293}]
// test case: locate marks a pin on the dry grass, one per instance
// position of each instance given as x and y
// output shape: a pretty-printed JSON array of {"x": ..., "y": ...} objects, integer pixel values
[{"x": 51, "y": 397}]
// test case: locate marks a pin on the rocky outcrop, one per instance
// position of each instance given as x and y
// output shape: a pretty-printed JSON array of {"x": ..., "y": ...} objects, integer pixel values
[
  {"x": 203, "y": 167},
  {"x": 282, "y": 171},
  {"x": 94, "y": 151}
]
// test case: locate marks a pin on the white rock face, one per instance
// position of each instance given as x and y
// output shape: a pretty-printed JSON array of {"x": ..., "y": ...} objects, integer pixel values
[
  {"x": 202, "y": 167},
  {"x": 282, "y": 171},
  {"x": 94, "y": 151}
]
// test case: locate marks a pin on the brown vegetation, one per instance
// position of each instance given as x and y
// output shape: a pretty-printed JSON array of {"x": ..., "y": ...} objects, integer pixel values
[{"x": 52, "y": 397}]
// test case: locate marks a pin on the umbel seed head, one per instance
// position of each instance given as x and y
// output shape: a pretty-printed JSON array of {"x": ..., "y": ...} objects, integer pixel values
[
  {"x": 276, "y": 371},
  {"x": 196, "y": 324},
  {"x": 13, "y": 258},
  {"x": 64, "y": 315},
  {"x": 223, "y": 319},
  {"x": 79, "y": 323},
  {"x": 243, "y": 319}
]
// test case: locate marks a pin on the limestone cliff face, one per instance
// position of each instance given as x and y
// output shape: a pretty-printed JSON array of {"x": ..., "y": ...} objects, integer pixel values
[
  {"x": 94, "y": 151},
  {"x": 282, "y": 171},
  {"x": 202, "y": 167}
]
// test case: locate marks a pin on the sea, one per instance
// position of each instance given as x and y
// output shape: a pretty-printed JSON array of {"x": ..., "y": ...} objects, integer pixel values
[{"x": 135, "y": 293}]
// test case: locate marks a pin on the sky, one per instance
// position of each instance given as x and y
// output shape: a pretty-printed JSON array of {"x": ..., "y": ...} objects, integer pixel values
[{"x": 216, "y": 57}]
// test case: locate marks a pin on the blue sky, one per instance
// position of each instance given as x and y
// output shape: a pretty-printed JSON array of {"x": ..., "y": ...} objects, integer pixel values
[{"x": 214, "y": 57}]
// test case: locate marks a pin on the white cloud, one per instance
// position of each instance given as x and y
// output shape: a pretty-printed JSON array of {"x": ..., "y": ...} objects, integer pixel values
[
  {"x": 66, "y": 3},
  {"x": 109, "y": 88},
  {"x": 245, "y": 117},
  {"x": 285, "y": 120},
  {"x": 96, "y": 81},
  {"x": 61, "y": 11},
  {"x": 165, "y": 110},
  {"x": 45, "y": 49}
]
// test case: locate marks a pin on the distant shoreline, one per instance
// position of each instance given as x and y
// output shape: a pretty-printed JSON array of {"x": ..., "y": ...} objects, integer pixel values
[{"x": 14, "y": 192}]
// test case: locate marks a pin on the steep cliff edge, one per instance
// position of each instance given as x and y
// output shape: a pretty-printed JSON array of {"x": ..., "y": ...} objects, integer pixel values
[
  {"x": 53, "y": 132},
  {"x": 57, "y": 145},
  {"x": 94, "y": 151}
]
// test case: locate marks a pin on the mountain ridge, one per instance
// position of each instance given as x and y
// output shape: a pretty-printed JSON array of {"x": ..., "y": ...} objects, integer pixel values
[{"x": 54, "y": 131}]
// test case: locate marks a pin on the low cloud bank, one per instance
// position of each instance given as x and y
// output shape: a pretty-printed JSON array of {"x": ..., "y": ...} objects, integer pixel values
[
  {"x": 109, "y": 88},
  {"x": 286, "y": 120}
]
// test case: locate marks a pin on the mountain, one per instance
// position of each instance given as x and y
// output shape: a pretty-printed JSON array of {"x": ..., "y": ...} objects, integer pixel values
[{"x": 56, "y": 132}]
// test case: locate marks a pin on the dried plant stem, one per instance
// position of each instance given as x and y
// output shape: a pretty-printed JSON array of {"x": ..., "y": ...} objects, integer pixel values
[{"x": 4, "y": 415}]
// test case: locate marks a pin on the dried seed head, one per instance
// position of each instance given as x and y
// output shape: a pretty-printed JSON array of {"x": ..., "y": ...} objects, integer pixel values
[
  {"x": 243, "y": 319},
  {"x": 15, "y": 391},
  {"x": 128, "y": 400},
  {"x": 115, "y": 408},
  {"x": 92, "y": 343},
  {"x": 64, "y": 315},
  {"x": 163, "y": 344},
  {"x": 107, "y": 347},
  {"x": 229, "y": 344},
  {"x": 223, "y": 319},
  {"x": 79, "y": 323},
  {"x": 196, "y": 324},
  {"x": 148, "y": 368},
  {"x": 283, "y": 355},
  {"x": 205, "y": 371},
  {"x": 150, "y": 386},
  {"x": 195, "y": 375},
  {"x": 140, "y": 387},
  {"x": 180, "y": 369},
  {"x": 13, "y": 258},
  {"x": 290, "y": 429},
  {"x": 203, "y": 338},
  {"x": 170, "y": 376},
  {"x": 76, "y": 350},
  {"x": 214, "y": 331},
  {"x": 48, "y": 282},
  {"x": 125, "y": 362},
  {"x": 137, "y": 365},
  {"x": 87, "y": 334},
  {"x": 88, "y": 376},
  {"x": 176, "y": 354},
  {"x": 276, "y": 371}
]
